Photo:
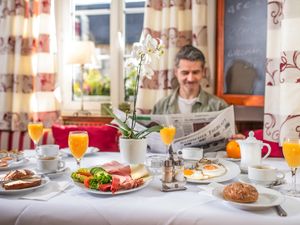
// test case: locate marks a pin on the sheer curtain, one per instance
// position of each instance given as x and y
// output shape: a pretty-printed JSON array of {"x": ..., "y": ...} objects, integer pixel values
[
  {"x": 282, "y": 95},
  {"x": 176, "y": 23},
  {"x": 27, "y": 68}
]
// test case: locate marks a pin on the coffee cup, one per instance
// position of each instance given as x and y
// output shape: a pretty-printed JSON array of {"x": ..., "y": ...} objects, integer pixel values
[
  {"x": 50, "y": 164},
  {"x": 47, "y": 151},
  {"x": 264, "y": 175},
  {"x": 192, "y": 153}
]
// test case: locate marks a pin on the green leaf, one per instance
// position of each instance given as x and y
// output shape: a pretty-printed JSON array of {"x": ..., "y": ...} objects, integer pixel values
[
  {"x": 120, "y": 122},
  {"x": 121, "y": 129},
  {"x": 126, "y": 131},
  {"x": 146, "y": 132}
]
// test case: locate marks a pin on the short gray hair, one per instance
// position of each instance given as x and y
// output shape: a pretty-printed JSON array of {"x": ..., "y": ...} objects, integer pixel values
[{"x": 190, "y": 53}]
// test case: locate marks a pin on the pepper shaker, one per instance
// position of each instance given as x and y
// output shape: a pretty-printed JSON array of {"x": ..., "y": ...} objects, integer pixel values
[{"x": 168, "y": 171}]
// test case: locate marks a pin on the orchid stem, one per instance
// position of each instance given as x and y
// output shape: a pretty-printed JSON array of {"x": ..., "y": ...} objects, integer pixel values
[{"x": 133, "y": 122}]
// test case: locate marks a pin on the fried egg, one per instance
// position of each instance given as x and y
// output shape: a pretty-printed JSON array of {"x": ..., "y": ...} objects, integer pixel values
[
  {"x": 213, "y": 170},
  {"x": 205, "y": 171},
  {"x": 195, "y": 174}
]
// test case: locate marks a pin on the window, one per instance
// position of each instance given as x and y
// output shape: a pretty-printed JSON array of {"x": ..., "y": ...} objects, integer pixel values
[{"x": 113, "y": 26}]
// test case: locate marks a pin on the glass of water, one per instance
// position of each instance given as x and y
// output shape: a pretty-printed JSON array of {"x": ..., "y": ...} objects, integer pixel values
[{"x": 155, "y": 164}]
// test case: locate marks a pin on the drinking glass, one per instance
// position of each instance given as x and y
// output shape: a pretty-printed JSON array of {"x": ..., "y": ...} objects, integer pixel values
[
  {"x": 78, "y": 142},
  {"x": 155, "y": 163},
  {"x": 167, "y": 134},
  {"x": 291, "y": 152},
  {"x": 35, "y": 131}
]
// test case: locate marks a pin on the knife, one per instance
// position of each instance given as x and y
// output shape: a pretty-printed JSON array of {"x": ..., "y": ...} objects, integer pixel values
[{"x": 280, "y": 211}]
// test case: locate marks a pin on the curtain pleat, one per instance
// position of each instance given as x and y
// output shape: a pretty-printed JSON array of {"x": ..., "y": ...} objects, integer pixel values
[
  {"x": 282, "y": 88},
  {"x": 27, "y": 68}
]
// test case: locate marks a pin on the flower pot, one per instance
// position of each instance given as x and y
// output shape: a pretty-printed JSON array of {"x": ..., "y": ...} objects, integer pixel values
[{"x": 133, "y": 151}]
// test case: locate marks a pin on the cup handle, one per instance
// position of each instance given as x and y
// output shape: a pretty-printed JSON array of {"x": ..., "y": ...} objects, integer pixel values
[
  {"x": 269, "y": 150},
  {"x": 281, "y": 175},
  {"x": 61, "y": 164}
]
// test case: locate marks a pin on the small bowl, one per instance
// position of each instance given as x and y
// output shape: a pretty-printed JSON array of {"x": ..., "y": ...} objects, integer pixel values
[{"x": 192, "y": 153}]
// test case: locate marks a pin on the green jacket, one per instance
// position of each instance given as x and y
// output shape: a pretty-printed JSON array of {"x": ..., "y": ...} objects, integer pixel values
[{"x": 205, "y": 103}]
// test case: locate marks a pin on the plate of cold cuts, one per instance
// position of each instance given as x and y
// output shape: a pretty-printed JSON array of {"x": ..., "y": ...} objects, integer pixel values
[{"x": 112, "y": 178}]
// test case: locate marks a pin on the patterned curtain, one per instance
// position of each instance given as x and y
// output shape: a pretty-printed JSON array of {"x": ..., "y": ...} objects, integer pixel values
[
  {"x": 282, "y": 95},
  {"x": 176, "y": 23},
  {"x": 27, "y": 69}
]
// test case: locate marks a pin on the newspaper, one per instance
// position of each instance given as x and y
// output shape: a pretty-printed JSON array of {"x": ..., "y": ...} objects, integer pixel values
[{"x": 209, "y": 130}]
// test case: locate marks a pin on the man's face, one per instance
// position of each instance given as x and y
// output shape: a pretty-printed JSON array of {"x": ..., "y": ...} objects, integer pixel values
[{"x": 189, "y": 75}]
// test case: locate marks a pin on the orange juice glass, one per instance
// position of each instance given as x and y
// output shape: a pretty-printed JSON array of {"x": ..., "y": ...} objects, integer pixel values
[
  {"x": 78, "y": 143},
  {"x": 35, "y": 131},
  {"x": 167, "y": 135},
  {"x": 291, "y": 152}
]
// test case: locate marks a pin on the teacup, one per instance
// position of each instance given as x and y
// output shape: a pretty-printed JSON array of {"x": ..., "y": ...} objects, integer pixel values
[
  {"x": 47, "y": 151},
  {"x": 50, "y": 164},
  {"x": 192, "y": 153},
  {"x": 264, "y": 175}
]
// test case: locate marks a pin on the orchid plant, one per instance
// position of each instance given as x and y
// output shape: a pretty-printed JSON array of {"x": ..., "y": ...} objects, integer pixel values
[{"x": 142, "y": 55}]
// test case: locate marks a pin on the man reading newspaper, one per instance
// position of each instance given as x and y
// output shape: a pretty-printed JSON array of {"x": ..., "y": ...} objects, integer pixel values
[{"x": 190, "y": 98}]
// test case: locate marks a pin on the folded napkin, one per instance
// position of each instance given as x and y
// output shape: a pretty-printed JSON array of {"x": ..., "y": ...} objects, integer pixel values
[
  {"x": 52, "y": 189},
  {"x": 210, "y": 187}
]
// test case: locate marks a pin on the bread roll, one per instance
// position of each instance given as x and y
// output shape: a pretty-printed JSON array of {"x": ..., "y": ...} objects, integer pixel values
[
  {"x": 20, "y": 184},
  {"x": 18, "y": 174},
  {"x": 239, "y": 192}
]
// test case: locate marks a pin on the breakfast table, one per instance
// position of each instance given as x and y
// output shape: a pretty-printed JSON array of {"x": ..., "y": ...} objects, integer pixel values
[{"x": 145, "y": 206}]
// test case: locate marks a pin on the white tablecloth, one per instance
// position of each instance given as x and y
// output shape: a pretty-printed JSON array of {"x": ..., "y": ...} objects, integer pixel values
[{"x": 146, "y": 206}]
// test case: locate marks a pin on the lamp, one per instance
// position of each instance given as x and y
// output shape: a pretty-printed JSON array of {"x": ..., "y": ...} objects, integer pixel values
[{"x": 81, "y": 53}]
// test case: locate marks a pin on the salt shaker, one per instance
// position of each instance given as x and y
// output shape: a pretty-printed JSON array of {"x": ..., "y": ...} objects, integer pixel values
[
  {"x": 179, "y": 170},
  {"x": 168, "y": 171}
]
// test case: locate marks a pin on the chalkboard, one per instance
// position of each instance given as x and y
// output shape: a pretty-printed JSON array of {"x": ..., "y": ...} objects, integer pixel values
[{"x": 245, "y": 28}]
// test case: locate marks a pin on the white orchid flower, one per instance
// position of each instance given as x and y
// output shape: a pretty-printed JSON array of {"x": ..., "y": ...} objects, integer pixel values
[
  {"x": 150, "y": 44},
  {"x": 131, "y": 64},
  {"x": 142, "y": 55},
  {"x": 147, "y": 59},
  {"x": 138, "y": 50},
  {"x": 147, "y": 71}
]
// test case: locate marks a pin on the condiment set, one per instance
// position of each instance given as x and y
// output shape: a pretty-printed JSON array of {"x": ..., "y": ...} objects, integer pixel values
[{"x": 172, "y": 173}]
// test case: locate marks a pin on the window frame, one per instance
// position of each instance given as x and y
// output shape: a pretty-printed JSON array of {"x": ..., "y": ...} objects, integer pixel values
[{"x": 65, "y": 32}]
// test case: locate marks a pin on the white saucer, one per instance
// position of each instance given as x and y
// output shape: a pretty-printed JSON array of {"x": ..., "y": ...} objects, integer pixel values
[
  {"x": 244, "y": 179},
  {"x": 56, "y": 173}
]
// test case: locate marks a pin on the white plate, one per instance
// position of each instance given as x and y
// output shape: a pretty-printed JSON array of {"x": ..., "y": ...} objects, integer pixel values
[
  {"x": 89, "y": 151},
  {"x": 233, "y": 170},
  {"x": 14, "y": 165},
  {"x": 93, "y": 191},
  {"x": 45, "y": 181},
  {"x": 267, "y": 198}
]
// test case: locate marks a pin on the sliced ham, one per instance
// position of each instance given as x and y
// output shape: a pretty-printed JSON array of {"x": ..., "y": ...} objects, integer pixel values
[
  {"x": 117, "y": 168},
  {"x": 132, "y": 184},
  {"x": 104, "y": 187},
  {"x": 121, "y": 176}
]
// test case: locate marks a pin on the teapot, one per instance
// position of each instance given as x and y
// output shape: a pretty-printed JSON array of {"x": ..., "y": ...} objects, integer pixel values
[{"x": 251, "y": 150}]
